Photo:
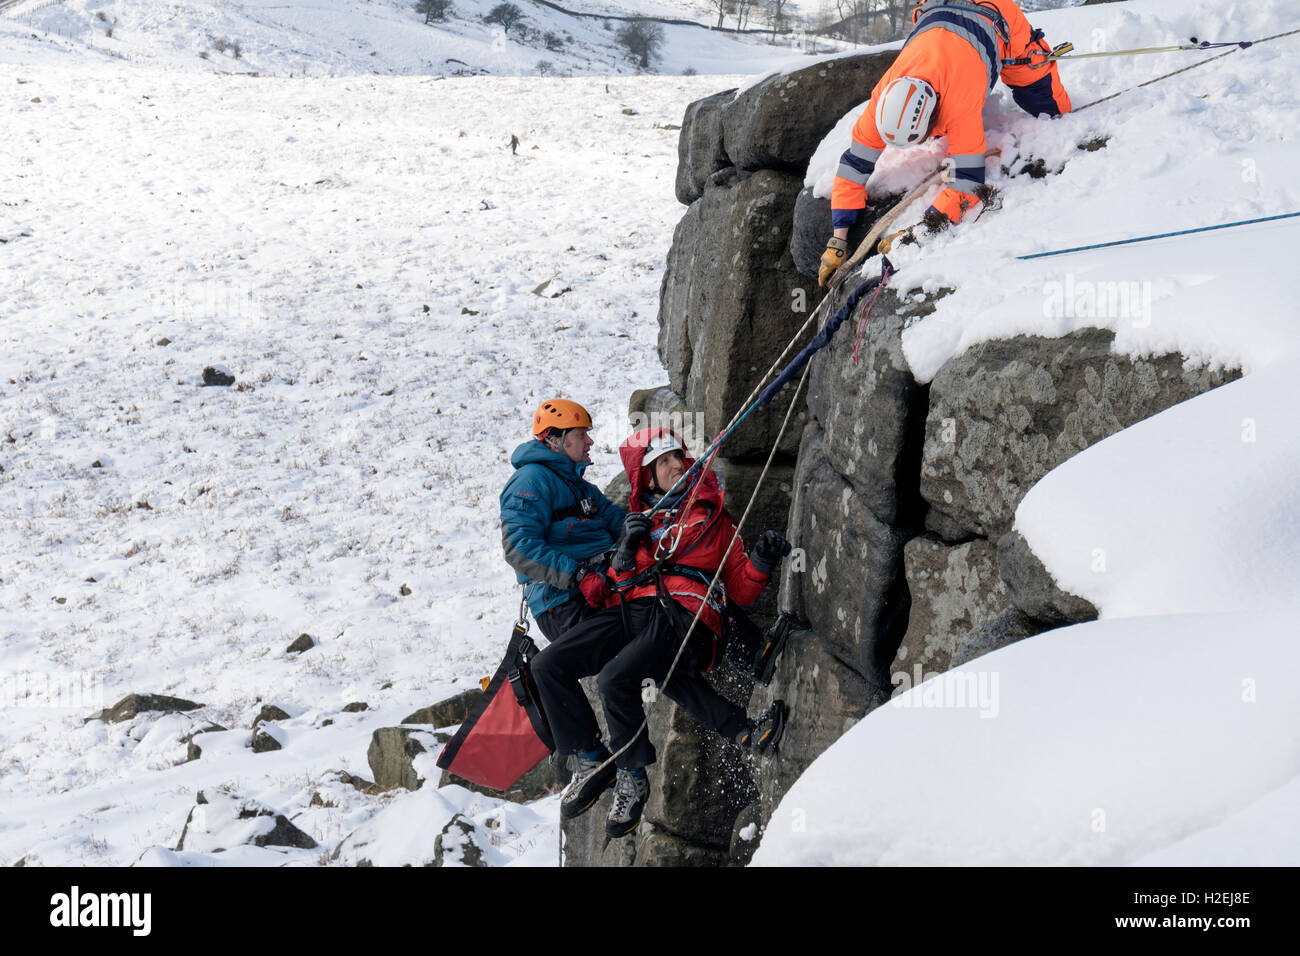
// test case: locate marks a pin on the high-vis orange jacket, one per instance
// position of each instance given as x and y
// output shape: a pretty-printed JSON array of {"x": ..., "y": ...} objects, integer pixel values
[{"x": 957, "y": 46}]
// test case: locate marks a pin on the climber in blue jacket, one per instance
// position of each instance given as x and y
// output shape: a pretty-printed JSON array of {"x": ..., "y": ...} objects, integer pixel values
[{"x": 556, "y": 528}]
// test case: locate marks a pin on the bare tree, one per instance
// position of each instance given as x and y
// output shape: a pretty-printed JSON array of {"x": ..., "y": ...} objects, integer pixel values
[
  {"x": 850, "y": 12},
  {"x": 743, "y": 8},
  {"x": 506, "y": 14},
  {"x": 777, "y": 18},
  {"x": 723, "y": 7},
  {"x": 642, "y": 39},
  {"x": 433, "y": 9}
]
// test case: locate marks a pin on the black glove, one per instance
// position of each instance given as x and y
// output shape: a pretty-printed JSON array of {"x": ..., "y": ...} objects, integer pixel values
[
  {"x": 769, "y": 551},
  {"x": 636, "y": 526}
]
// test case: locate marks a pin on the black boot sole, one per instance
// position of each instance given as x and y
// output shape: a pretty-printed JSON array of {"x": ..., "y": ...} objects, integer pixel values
[
  {"x": 616, "y": 830},
  {"x": 768, "y": 744},
  {"x": 774, "y": 643},
  {"x": 591, "y": 791}
]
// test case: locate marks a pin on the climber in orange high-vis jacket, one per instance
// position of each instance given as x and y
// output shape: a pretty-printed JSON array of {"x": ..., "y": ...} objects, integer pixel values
[{"x": 937, "y": 86}]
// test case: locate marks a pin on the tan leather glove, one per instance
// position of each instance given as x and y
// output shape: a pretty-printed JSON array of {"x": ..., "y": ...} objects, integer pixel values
[{"x": 837, "y": 250}]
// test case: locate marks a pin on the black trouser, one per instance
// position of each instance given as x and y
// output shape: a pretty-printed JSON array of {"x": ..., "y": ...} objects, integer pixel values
[
  {"x": 556, "y": 622},
  {"x": 625, "y": 657}
]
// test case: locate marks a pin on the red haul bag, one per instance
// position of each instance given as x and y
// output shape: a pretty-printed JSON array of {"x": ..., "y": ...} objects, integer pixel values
[{"x": 506, "y": 734}]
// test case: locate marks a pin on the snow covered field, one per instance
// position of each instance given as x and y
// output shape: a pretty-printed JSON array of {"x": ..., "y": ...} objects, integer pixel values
[{"x": 361, "y": 253}]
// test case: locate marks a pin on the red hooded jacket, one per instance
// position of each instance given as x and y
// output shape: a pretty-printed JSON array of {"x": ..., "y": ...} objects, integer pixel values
[{"x": 705, "y": 531}]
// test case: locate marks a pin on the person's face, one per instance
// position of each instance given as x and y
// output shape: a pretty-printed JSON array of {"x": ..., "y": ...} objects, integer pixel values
[
  {"x": 577, "y": 445},
  {"x": 668, "y": 468}
]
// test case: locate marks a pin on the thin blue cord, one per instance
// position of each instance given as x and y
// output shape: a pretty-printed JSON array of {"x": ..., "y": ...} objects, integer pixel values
[{"x": 1163, "y": 235}]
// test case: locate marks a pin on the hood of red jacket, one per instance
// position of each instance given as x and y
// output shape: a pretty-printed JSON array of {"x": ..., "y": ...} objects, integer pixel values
[{"x": 638, "y": 475}]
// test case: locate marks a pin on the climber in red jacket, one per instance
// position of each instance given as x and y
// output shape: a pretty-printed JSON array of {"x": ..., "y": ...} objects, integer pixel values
[
  {"x": 937, "y": 87},
  {"x": 675, "y": 554}
]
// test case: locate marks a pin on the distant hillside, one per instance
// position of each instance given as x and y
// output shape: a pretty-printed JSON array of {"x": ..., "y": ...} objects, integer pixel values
[{"x": 347, "y": 37}]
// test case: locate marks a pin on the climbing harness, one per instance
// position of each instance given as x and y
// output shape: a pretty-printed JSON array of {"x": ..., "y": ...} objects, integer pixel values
[
  {"x": 1161, "y": 235},
  {"x": 717, "y": 575}
]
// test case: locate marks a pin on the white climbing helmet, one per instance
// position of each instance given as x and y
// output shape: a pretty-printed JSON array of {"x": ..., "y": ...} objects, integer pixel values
[
  {"x": 661, "y": 444},
  {"x": 904, "y": 111}
]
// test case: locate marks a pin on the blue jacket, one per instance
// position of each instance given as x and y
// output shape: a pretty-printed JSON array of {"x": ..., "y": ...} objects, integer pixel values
[{"x": 543, "y": 533}]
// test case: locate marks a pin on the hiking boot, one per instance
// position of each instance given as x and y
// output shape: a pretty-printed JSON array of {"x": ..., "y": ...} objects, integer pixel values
[
  {"x": 591, "y": 778},
  {"x": 630, "y": 794},
  {"x": 764, "y": 734}
]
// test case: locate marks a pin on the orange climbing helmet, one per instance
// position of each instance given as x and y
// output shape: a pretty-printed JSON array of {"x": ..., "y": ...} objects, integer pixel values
[{"x": 561, "y": 414}]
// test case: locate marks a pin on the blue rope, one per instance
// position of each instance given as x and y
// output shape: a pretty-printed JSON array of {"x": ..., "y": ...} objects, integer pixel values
[{"x": 1163, "y": 235}]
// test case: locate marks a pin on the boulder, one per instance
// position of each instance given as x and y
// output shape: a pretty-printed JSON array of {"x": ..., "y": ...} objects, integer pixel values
[
  {"x": 1005, "y": 413},
  {"x": 656, "y": 847},
  {"x": 826, "y": 697},
  {"x": 192, "y": 750},
  {"x": 954, "y": 590},
  {"x": 304, "y": 642},
  {"x": 730, "y": 302},
  {"x": 811, "y": 227},
  {"x": 1033, "y": 589},
  {"x": 217, "y": 375},
  {"x": 284, "y": 833},
  {"x": 779, "y": 122},
  {"x": 618, "y": 490},
  {"x": 661, "y": 407},
  {"x": 458, "y": 843},
  {"x": 269, "y": 712},
  {"x": 1006, "y": 627},
  {"x": 699, "y": 783},
  {"x": 585, "y": 843},
  {"x": 771, "y": 510},
  {"x": 354, "y": 781},
  {"x": 134, "y": 704},
  {"x": 699, "y": 146},
  {"x": 220, "y": 820},
  {"x": 449, "y": 712},
  {"x": 391, "y": 754},
  {"x": 265, "y": 739},
  {"x": 849, "y": 587},
  {"x": 872, "y": 412}
]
